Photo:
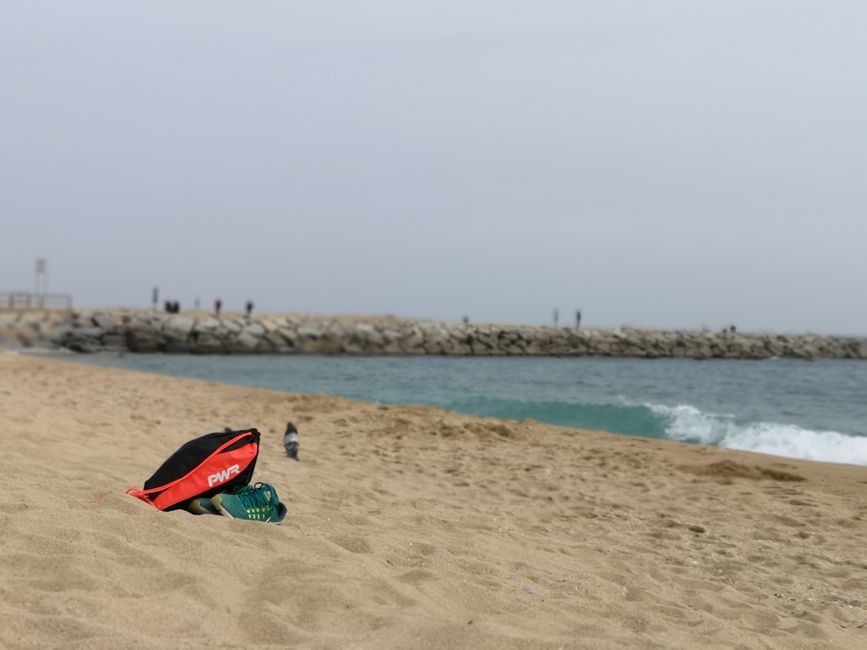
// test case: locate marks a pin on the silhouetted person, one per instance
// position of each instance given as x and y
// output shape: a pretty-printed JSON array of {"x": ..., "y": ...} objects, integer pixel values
[
  {"x": 218, "y": 305},
  {"x": 466, "y": 320},
  {"x": 732, "y": 329},
  {"x": 168, "y": 306},
  {"x": 556, "y": 317},
  {"x": 249, "y": 308},
  {"x": 578, "y": 320},
  {"x": 177, "y": 307}
]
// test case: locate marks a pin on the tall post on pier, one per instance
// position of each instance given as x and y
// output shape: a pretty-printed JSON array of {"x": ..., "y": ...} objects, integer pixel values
[{"x": 40, "y": 281}]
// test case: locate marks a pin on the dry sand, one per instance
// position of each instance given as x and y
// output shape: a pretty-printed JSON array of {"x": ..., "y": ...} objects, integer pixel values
[{"x": 408, "y": 528}]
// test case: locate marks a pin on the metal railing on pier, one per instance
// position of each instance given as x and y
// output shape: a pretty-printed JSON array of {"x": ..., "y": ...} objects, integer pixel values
[{"x": 29, "y": 300}]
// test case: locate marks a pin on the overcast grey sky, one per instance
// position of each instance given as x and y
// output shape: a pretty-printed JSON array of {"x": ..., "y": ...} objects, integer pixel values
[{"x": 667, "y": 163}]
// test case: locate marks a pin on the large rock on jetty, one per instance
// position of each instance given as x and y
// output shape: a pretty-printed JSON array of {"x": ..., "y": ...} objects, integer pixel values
[{"x": 142, "y": 331}]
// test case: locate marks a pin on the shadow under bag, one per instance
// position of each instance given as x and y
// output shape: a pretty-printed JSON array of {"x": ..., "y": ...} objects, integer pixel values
[{"x": 203, "y": 467}]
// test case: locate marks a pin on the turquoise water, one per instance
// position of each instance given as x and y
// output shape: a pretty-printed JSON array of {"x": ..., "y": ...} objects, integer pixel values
[{"x": 815, "y": 410}]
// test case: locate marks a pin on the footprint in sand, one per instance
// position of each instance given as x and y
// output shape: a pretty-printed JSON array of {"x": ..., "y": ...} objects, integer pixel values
[
  {"x": 417, "y": 575},
  {"x": 352, "y": 544}
]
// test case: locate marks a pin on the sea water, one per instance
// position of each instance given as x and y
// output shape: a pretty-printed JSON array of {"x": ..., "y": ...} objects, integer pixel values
[{"x": 815, "y": 410}]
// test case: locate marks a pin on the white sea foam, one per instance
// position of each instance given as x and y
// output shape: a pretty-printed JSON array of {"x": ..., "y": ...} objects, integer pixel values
[
  {"x": 54, "y": 352},
  {"x": 688, "y": 423}
]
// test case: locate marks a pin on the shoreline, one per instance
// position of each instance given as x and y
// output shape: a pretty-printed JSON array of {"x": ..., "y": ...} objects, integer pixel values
[
  {"x": 409, "y": 526},
  {"x": 144, "y": 331},
  {"x": 781, "y": 434}
]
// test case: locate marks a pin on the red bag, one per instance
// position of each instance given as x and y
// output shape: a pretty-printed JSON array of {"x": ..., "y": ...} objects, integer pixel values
[{"x": 215, "y": 463}]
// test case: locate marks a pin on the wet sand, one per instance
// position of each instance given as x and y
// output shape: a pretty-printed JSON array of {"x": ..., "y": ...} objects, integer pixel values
[{"x": 408, "y": 527}]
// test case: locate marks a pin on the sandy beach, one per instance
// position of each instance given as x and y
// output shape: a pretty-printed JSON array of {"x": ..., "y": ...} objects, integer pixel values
[{"x": 408, "y": 527}]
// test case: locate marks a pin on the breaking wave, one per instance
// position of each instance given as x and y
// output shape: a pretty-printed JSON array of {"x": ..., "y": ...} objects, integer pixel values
[
  {"x": 689, "y": 424},
  {"x": 684, "y": 423}
]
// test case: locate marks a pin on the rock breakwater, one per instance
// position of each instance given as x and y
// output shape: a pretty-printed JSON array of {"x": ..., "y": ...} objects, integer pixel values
[{"x": 138, "y": 331}]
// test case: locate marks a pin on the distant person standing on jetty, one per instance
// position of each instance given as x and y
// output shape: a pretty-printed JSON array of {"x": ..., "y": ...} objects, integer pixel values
[
  {"x": 556, "y": 317},
  {"x": 249, "y": 308},
  {"x": 218, "y": 305},
  {"x": 578, "y": 320}
]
